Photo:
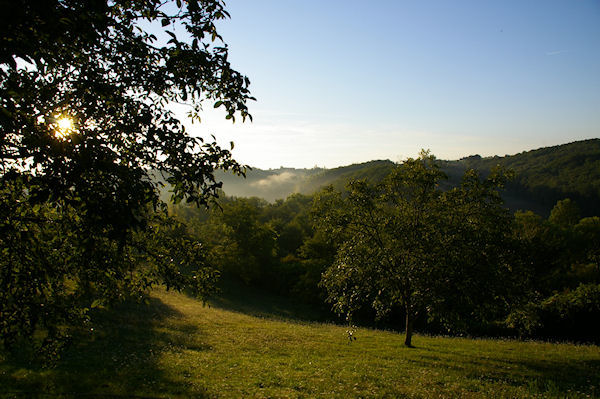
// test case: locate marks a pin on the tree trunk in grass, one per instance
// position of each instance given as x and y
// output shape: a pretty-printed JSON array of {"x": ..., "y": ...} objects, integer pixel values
[{"x": 409, "y": 328}]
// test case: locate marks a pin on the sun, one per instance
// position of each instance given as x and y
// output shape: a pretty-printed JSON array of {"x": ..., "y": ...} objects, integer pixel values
[
  {"x": 64, "y": 126},
  {"x": 65, "y": 123}
]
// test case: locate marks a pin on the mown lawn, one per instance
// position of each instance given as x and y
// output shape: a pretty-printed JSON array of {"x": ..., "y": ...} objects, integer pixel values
[{"x": 174, "y": 347}]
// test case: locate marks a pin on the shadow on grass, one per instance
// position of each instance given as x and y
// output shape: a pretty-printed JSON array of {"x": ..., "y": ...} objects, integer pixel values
[
  {"x": 566, "y": 377},
  {"x": 117, "y": 356},
  {"x": 237, "y": 297},
  {"x": 550, "y": 376}
]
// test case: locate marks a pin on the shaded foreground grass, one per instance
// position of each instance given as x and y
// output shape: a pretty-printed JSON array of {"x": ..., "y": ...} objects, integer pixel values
[{"x": 175, "y": 347}]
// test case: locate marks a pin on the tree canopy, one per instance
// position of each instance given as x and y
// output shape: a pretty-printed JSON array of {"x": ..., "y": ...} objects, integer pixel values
[
  {"x": 85, "y": 126},
  {"x": 91, "y": 62}
]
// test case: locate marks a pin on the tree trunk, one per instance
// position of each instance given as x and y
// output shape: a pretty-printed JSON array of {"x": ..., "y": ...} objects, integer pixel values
[{"x": 409, "y": 328}]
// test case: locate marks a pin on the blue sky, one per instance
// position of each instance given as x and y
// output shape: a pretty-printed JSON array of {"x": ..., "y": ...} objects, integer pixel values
[{"x": 339, "y": 82}]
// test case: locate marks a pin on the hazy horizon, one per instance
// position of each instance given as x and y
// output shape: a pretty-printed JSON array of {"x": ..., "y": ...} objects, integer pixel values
[
  {"x": 338, "y": 83},
  {"x": 412, "y": 156},
  {"x": 346, "y": 82}
]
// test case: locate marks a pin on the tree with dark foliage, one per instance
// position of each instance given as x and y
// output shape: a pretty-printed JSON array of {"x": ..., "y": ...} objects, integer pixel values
[{"x": 84, "y": 118}]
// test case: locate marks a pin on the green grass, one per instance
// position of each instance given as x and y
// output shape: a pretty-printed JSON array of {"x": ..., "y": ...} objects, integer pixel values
[{"x": 175, "y": 347}]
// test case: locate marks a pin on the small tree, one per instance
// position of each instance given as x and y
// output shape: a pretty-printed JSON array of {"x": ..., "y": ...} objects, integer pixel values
[
  {"x": 565, "y": 213},
  {"x": 589, "y": 234},
  {"x": 407, "y": 243}
]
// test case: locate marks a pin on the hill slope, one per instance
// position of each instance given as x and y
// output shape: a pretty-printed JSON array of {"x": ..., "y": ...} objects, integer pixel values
[
  {"x": 544, "y": 176},
  {"x": 548, "y": 174},
  {"x": 279, "y": 183},
  {"x": 269, "y": 184},
  {"x": 176, "y": 348}
]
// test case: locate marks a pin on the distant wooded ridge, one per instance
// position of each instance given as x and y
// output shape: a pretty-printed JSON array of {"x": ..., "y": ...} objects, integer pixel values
[{"x": 543, "y": 176}]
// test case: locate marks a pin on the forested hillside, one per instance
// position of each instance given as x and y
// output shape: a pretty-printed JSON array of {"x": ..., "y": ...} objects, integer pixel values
[
  {"x": 543, "y": 176},
  {"x": 274, "y": 184},
  {"x": 269, "y": 184}
]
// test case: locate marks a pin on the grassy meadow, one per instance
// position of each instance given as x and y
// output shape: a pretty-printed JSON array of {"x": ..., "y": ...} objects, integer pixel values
[{"x": 174, "y": 347}]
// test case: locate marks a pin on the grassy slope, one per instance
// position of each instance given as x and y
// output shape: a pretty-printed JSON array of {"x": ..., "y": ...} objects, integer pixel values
[{"x": 175, "y": 347}]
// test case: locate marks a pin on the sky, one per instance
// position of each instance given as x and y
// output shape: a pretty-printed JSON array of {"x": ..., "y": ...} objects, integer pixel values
[{"x": 342, "y": 81}]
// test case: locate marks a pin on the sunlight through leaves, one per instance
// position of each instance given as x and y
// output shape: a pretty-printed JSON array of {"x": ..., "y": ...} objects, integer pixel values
[{"x": 65, "y": 126}]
